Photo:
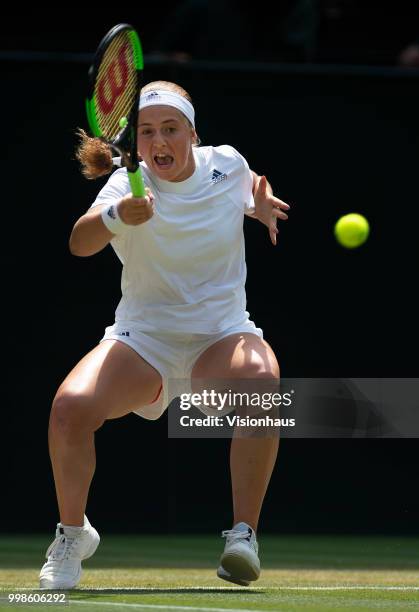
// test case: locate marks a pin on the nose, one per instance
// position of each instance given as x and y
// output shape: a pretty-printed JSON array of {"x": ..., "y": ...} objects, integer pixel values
[{"x": 158, "y": 138}]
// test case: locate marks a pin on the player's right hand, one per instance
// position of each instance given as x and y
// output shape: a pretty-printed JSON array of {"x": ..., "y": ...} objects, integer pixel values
[{"x": 134, "y": 211}]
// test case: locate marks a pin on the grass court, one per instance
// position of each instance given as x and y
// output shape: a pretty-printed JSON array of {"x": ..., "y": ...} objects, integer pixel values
[{"x": 177, "y": 573}]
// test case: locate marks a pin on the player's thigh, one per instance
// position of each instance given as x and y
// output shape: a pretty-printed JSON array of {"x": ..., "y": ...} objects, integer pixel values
[
  {"x": 240, "y": 355},
  {"x": 250, "y": 367},
  {"x": 109, "y": 382}
]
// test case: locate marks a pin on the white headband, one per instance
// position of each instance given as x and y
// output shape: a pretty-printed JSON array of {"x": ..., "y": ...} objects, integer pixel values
[{"x": 168, "y": 98}]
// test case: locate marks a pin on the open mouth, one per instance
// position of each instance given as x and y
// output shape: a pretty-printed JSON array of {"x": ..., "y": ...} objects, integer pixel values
[{"x": 163, "y": 161}]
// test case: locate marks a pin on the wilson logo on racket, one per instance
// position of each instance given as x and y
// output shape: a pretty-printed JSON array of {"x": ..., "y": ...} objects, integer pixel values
[
  {"x": 112, "y": 100},
  {"x": 114, "y": 81}
]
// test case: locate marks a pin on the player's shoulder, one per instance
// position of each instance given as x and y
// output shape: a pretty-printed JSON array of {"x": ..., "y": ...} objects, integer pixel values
[
  {"x": 227, "y": 150},
  {"x": 224, "y": 154},
  {"x": 118, "y": 176}
]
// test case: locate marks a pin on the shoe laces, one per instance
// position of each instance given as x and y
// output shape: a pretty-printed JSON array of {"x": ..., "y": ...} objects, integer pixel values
[
  {"x": 61, "y": 548},
  {"x": 233, "y": 535}
]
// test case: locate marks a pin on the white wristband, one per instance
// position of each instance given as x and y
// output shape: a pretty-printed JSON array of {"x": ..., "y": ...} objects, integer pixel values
[{"x": 112, "y": 220}]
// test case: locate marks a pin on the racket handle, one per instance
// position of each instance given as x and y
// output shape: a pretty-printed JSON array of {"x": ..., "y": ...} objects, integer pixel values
[{"x": 137, "y": 184}]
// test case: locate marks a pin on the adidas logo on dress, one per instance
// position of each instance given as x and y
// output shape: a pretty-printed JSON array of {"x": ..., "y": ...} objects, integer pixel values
[{"x": 218, "y": 176}]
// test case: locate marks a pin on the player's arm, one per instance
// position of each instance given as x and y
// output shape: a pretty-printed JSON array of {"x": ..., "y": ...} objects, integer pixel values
[
  {"x": 89, "y": 234},
  {"x": 268, "y": 208},
  {"x": 95, "y": 229}
]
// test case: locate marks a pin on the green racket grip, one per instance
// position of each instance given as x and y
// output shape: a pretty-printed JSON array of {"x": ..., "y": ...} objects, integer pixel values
[{"x": 137, "y": 183}]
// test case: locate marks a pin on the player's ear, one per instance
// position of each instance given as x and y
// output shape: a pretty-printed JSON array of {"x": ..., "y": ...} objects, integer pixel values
[{"x": 195, "y": 137}]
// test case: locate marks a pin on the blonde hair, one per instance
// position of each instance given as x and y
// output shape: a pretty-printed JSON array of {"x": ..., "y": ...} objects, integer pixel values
[{"x": 95, "y": 156}]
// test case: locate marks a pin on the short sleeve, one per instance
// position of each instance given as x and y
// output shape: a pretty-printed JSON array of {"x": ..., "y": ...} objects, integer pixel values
[
  {"x": 247, "y": 186},
  {"x": 115, "y": 189}
]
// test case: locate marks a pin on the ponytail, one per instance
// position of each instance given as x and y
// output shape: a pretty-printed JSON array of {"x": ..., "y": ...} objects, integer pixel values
[{"x": 94, "y": 155}]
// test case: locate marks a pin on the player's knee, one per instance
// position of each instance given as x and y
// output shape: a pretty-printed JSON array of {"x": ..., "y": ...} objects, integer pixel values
[
  {"x": 258, "y": 380},
  {"x": 73, "y": 414},
  {"x": 257, "y": 370}
]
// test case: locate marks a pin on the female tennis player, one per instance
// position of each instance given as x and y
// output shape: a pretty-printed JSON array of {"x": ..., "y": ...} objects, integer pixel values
[{"x": 182, "y": 315}]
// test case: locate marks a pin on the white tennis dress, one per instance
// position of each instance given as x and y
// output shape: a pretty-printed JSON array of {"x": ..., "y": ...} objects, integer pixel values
[{"x": 184, "y": 270}]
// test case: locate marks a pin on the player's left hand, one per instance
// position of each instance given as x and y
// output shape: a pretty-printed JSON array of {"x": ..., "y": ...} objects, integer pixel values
[{"x": 268, "y": 208}]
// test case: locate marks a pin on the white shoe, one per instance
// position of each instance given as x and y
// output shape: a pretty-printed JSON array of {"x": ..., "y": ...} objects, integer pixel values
[
  {"x": 64, "y": 556},
  {"x": 221, "y": 573},
  {"x": 239, "y": 562}
]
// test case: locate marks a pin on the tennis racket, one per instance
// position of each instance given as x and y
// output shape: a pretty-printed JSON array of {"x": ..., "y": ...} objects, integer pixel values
[{"x": 112, "y": 101}]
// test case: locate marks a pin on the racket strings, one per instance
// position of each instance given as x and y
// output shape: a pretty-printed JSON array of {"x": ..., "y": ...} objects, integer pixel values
[{"x": 115, "y": 86}]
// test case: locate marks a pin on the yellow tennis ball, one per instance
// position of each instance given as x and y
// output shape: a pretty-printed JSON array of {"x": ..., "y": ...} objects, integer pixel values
[{"x": 352, "y": 230}]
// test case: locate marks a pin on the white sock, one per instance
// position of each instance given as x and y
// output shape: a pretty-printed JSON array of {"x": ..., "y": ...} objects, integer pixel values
[
  {"x": 72, "y": 530},
  {"x": 241, "y": 527}
]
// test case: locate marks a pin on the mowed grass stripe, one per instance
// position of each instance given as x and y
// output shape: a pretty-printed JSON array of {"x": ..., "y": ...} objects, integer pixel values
[
  {"x": 179, "y": 581},
  {"x": 339, "y": 587},
  {"x": 164, "y": 607},
  {"x": 198, "y": 589}
]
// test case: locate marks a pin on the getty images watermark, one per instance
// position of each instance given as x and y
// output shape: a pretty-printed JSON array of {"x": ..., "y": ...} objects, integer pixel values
[
  {"x": 297, "y": 408},
  {"x": 223, "y": 408},
  {"x": 233, "y": 400}
]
